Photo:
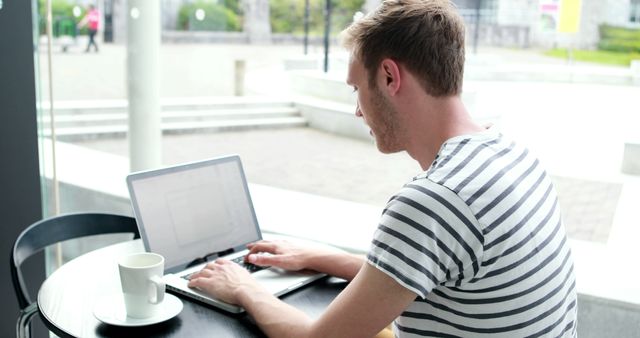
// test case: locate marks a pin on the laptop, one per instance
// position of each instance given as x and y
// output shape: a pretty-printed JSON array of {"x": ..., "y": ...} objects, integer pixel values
[{"x": 197, "y": 212}]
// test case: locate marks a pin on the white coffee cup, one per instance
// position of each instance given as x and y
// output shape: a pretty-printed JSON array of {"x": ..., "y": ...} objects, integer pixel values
[{"x": 142, "y": 285}]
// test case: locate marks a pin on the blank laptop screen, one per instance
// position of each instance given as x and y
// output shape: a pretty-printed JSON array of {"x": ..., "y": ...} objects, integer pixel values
[{"x": 192, "y": 211}]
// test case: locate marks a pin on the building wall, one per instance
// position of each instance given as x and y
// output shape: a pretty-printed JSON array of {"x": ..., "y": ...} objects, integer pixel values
[
  {"x": 169, "y": 13},
  {"x": 20, "y": 201},
  {"x": 517, "y": 14},
  {"x": 594, "y": 13},
  {"x": 120, "y": 21}
]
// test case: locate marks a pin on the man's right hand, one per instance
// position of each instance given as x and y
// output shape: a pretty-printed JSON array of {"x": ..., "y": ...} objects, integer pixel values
[
  {"x": 281, "y": 254},
  {"x": 294, "y": 257}
]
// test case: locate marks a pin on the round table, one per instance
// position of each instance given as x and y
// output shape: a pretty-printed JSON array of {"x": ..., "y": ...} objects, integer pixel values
[{"x": 67, "y": 298}]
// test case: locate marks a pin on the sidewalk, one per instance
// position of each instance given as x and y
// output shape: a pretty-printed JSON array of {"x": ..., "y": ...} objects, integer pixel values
[
  {"x": 306, "y": 160},
  {"x": 197, "y": 70}
]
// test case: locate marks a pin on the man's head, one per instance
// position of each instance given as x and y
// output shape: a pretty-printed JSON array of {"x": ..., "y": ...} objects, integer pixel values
[{"x": 425, "y": 36}]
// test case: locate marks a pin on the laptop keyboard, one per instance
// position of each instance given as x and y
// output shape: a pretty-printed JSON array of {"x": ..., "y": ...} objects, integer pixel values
[
  {"x": 250, "y": 267},
  {"x": 240, "y": 261}
]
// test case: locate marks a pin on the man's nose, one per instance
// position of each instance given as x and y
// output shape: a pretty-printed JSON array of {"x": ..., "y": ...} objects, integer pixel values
[{"x": 358, "y": 111}]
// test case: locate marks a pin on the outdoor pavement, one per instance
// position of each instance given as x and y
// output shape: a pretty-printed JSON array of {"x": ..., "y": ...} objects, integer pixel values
[
  {"x": 578, "y": 130},
  {"x": 307, "y": 160}
]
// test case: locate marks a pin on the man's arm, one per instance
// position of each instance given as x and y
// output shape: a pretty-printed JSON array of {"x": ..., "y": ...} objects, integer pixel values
[
  {"x": 292, "y": 257},
  {"x": 368, "y": 304}
]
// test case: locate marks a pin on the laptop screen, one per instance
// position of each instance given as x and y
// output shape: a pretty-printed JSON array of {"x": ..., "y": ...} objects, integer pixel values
[{"x": 191, "y": 210}]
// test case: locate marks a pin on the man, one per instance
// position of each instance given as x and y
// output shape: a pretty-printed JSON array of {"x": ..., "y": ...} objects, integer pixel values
[{"x": 473, "y": 246}]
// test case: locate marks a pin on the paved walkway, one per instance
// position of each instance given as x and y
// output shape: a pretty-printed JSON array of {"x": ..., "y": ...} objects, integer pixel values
[
  {"x": 307, "y": 160},
  {"x": 578, "y": 130}
]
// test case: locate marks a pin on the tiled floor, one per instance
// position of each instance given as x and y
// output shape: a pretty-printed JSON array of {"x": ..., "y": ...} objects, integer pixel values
[{"x": 587, "y": 207}]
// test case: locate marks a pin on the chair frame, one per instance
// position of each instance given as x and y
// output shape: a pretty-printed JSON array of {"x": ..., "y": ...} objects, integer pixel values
[{"x": 51, "y": 231}]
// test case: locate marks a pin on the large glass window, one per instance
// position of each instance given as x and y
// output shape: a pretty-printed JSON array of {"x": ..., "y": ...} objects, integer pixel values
[
  {"x": 232, "y": 74},
  {"x": 248, "y": 77}
]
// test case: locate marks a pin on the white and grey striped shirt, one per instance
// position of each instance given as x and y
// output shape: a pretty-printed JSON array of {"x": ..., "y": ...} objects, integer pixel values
[{"x": 479, "y": 238}]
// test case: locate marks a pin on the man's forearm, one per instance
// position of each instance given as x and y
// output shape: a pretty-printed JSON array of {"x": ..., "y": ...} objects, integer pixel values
[
  {"x": 274, "y": 317},
  {"x": 339, "y": 264}
]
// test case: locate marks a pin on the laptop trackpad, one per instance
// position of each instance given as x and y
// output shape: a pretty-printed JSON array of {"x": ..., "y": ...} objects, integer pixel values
[{"x": 278, "y": 281}]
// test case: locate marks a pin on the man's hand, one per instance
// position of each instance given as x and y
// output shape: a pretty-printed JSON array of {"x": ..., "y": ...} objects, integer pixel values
[
  {"x": 282, "y": 254},
  {"x": 293, "y": 257},
  {"x": 224, "y": 280}
]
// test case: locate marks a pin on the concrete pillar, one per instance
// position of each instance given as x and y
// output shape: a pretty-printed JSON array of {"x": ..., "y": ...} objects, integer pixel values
[
  {"x": 143, "y": 84},
  {"x": 120, "y": 19},
  {"x": 631, "y": 157},
  {"x": 256, "y": 21}
]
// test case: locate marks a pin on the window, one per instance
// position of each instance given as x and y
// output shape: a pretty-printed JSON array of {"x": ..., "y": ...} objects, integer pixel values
[
  {"x": 634, "y": 11},
  {"x": 235, "y": 78}
]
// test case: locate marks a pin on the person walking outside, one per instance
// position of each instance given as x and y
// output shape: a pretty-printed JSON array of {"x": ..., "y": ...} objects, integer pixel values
[{"x": 92, "y": 21}]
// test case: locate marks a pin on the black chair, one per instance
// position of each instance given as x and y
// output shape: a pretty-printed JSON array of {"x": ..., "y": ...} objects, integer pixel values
[{"x": 51, "y": 231}]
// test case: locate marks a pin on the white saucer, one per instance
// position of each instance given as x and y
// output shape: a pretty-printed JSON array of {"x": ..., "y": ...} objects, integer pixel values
[{"x": 111, "y": 310}]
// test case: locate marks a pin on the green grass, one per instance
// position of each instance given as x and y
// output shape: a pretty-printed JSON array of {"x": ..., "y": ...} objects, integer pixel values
[{"x": 596, "y": 56}]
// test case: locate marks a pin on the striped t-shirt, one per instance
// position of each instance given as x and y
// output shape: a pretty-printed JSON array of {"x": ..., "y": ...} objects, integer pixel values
[{"x": 479, "y": 238}]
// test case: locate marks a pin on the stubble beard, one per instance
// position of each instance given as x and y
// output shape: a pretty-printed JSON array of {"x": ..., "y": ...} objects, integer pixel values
[{"x": 388, "y": 126}]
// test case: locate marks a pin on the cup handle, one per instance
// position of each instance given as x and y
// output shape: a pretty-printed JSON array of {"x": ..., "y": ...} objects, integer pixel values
[{"x": 156, "y": 284}]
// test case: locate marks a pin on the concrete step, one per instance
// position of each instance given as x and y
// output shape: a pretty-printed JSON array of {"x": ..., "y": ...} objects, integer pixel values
[
  {"x": 223, "y": 103},
  {"x": 260, "y": 123},
  {"x": 242, "y": 113},
  {"x": 105, "y": 119},
  {"x": 171, "y": 104},
  {"x": 120, "y": 130}
]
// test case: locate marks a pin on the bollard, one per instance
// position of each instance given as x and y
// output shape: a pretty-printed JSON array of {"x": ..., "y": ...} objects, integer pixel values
[
  {"x": 631, "y": 158},
  {"x": 239, "y": 77},
  {"x": 635, "y": 72}
]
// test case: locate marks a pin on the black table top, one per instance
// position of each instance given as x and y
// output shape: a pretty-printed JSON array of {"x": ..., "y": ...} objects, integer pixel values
[{"x": 67, "y": 298}]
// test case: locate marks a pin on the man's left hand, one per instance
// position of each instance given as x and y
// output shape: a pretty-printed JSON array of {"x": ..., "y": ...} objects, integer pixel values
[{"x": 223, "y": 280}]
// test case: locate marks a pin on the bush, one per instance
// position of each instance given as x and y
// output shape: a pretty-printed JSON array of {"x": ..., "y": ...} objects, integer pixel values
[
  {"x": 596, "y": 56},
  {"x": 217, "y": 17},
  {"x": 62, "y": 14},
  {"x": 625, "y": 46},
  {"x": 287, "y": 16},
  {"x": 619, "y": 39},
  {"x": 613, "y": 32}
]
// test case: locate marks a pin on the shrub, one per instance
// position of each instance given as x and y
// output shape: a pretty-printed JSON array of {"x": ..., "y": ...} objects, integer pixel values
[
  {"x": 62, "y": 15},
  {"x": 287, "y": 16},
  {"x": 217, "y": 17},
  {"x": 619, "y": 39}
]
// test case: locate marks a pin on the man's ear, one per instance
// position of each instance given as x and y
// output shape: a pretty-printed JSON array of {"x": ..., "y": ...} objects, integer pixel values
[{"x": 390, "y": 76}]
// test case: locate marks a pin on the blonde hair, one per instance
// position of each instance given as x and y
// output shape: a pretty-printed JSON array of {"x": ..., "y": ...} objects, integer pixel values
[{"x": 426, "y": 36}]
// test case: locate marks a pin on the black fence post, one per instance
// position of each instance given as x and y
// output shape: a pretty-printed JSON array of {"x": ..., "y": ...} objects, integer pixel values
[
  {"x": 306, "y": 27},
  {"x": 476, "y": 32},
  {"x": 327, "y": 29}
]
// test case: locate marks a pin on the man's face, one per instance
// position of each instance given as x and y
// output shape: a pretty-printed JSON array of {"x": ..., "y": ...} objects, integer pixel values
[{"x": 376, "y": 110}]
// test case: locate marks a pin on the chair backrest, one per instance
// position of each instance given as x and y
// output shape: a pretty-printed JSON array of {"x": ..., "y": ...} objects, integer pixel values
[{"x": 57, "y": 229}]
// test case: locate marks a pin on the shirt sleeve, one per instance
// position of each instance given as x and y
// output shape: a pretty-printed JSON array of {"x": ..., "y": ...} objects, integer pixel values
[{"x": 427, "y": 236}]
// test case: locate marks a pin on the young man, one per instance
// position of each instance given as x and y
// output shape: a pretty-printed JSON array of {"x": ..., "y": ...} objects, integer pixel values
[{"x": 473, "y": 246}]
